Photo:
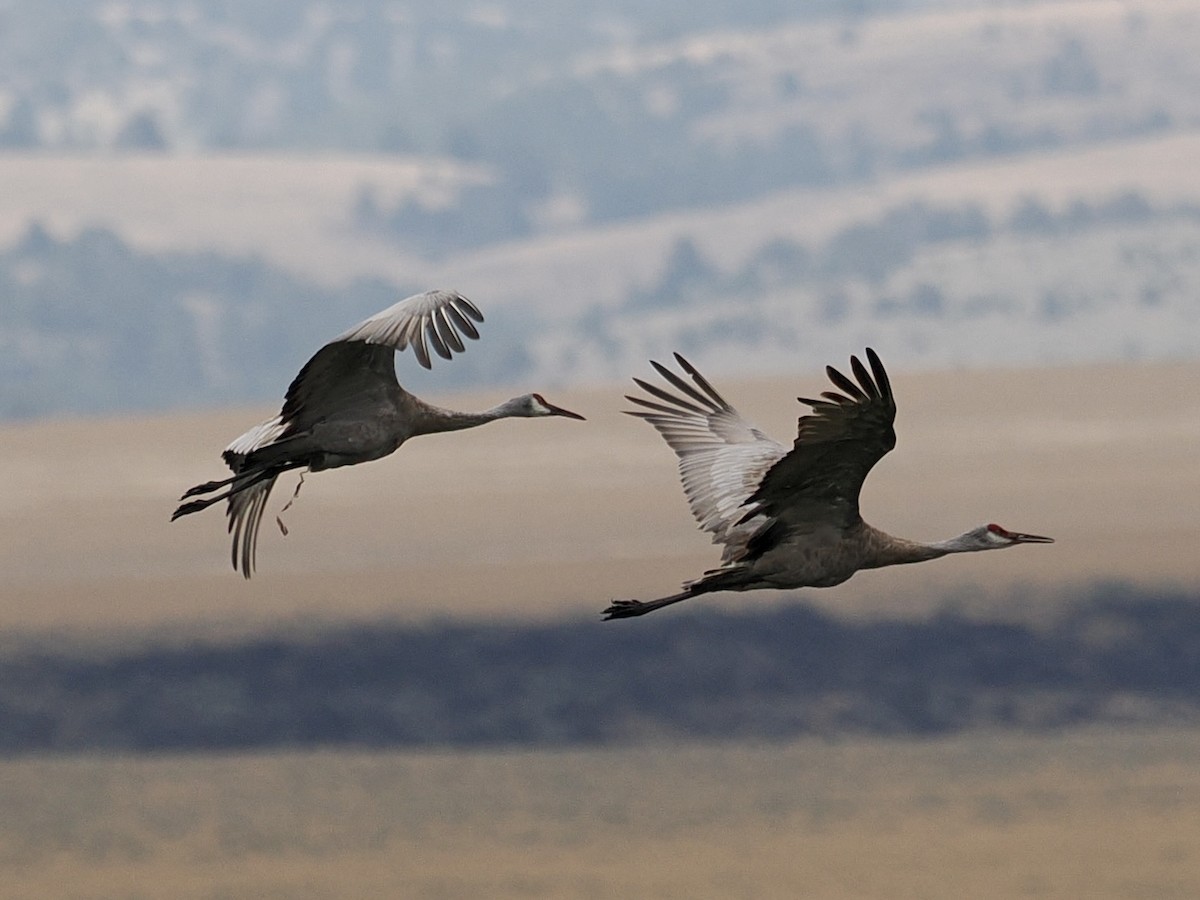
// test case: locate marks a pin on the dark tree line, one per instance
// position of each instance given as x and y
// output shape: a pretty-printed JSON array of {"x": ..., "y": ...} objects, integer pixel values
[{"x": 705, "y": 673}]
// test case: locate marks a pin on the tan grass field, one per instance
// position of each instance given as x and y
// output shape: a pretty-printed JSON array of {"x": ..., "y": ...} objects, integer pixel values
[
  {"x": 1092, "y": 814},
  {"x": 553, "y": 517}
]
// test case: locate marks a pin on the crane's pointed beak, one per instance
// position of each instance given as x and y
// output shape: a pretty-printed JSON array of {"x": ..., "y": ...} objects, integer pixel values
[
  {"x": 559, "y": 411},
  {"x": 1019, "y": 538}
]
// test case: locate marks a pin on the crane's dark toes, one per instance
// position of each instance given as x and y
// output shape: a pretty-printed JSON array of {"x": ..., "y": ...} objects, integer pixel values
[
  {"x": 189, "y": 508},
  {"x": 624, "y": 609},
  {"x": 203, "y": 488}
]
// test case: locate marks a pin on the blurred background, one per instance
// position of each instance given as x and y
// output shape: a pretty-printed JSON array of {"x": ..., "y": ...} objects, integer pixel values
[{"x": 414, "y": 695}]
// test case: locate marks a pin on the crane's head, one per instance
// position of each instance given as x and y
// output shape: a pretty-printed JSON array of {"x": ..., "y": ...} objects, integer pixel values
[
  {"x": 537, "y": 405},
  {"x": 993, "y": 537}
]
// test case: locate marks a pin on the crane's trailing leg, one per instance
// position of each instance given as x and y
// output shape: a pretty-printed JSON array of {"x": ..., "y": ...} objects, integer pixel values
[
  {"x": 627, "y": 609},
  {"x": 241, "y": 481},
  {"x": 296, "y": 493},
  {"x": 734, "y": 578}
]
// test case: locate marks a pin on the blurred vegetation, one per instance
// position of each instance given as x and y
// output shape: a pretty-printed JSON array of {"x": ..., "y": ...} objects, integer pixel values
[
  {"x": 586, "y": 114},
  {"x": 627, "y": 108},
  {"x": 91, "y": 324},
  {"x": 1116, "y": 655}
]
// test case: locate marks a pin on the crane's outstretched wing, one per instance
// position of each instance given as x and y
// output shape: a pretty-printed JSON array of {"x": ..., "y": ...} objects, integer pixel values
[
  {"x": 817, "y": 482},
  {"x": 357, "y": 368},
  {"x": 440, "y": 318},
  {"x": 722, "y": 457}
]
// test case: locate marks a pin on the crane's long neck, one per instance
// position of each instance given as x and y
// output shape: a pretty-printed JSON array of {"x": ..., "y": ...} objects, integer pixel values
[
  {"x": 887, "y": 550},
  {"x": 451, "y": 420}
]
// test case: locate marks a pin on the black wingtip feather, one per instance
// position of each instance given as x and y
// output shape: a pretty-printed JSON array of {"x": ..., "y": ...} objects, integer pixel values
[
  {"x": 864, "y": 378},
  {"x": 650, "y": 404},
  {"x": 702, "y": 382},
  {"x": 439, "y": 345},
  {"x": 445, "y": 327},
  {"x": 419, "y": 348},
  {"x": 462, "y": 322},
  {"x": 681, "y": 385},
  {"x": 464, "y": 305},
  {"x": 881, "y": 376},
  {"x": 656, "y": 391},
  {"x": 844, "y": 383}
]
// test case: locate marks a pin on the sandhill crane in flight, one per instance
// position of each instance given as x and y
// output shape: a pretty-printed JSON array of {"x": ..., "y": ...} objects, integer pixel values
[
  {"x": 346, "y": 407},
  {"x": 788, "y": 518}
]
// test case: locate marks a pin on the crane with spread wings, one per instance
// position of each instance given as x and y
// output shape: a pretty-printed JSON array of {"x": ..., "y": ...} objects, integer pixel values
[
  {"x": 788, "y": 518},
  {"x": 346, "y": 407}
]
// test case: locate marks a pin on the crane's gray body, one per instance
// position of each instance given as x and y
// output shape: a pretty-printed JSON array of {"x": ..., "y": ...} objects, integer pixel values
[
  {"x": 788, "y": 518},
  {"x": 346, "y": 407}
]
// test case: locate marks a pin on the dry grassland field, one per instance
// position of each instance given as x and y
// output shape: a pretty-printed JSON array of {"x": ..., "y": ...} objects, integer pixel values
[
  {"x": 1093, "y": 814},
  {"x": 543, "y": 518}
]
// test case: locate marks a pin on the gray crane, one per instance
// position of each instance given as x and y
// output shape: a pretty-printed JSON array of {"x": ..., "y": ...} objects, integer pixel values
[
  {"x": 787, "y": 518},
  {"x": 346, "y": 407}
]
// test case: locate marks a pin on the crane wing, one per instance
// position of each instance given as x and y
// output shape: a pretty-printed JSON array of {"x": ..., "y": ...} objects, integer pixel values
[
  {"x": 437, "y": 318},
  {"x": 722, "y": 457},
  {"x": 817, "y": 482},
  {"x": 357, "y": 368}
]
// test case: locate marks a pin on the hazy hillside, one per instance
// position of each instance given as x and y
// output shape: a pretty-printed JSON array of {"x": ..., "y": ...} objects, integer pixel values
[
  {"x": 1114, "y": 658},
  {"x": 955, "y": 181}
]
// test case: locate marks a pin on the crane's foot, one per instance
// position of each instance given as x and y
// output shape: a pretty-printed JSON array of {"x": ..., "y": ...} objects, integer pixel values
[
  {"x": 194, "y": 506},
  {"x": 202, "y": 489},
  {"x": 625, "y": 609}
]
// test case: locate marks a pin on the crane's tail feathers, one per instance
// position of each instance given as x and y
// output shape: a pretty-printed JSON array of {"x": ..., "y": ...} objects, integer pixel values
[{"x": 245, "y": 516}]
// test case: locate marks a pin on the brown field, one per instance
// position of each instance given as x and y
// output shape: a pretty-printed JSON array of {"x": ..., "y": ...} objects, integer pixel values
[
  {"x": 554, "y": 517},
  {"x": 1091, "y": 814}
]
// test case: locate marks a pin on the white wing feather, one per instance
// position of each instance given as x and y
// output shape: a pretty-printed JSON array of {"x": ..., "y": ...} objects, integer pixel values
[
  {"x": 722, "y": 457},
  {"x": 440, "y": 318},
  {"x": 259, "y": 436}
]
